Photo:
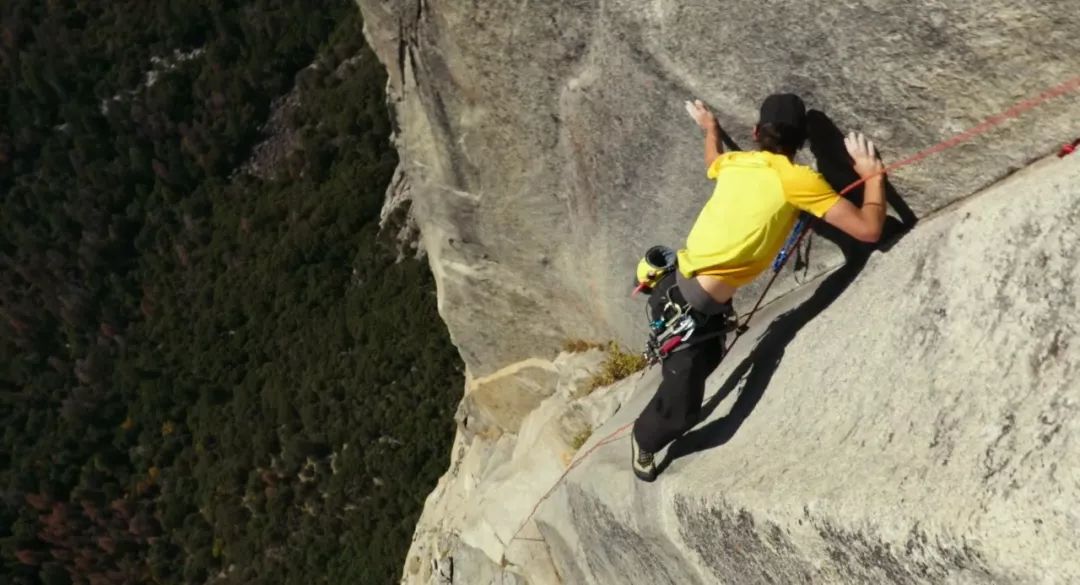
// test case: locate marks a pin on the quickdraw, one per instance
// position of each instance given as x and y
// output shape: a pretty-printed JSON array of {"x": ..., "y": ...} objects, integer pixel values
[
  {"x": 669, "y": 332},
  {"x": 674, "y": 327}
]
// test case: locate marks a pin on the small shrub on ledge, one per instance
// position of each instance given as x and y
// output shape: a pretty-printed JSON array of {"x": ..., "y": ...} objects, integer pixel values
[{"x": 618, "y": 365}]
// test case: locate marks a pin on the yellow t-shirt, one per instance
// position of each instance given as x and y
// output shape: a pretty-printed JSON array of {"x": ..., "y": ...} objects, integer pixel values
[{"x": 755, "y": 204}]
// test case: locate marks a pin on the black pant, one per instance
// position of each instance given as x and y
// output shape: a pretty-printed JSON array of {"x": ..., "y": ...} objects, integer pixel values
[{"x": 677, "y": 403}]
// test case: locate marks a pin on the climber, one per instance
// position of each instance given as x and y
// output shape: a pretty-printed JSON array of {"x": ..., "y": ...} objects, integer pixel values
[{"x": 756, "y": 200}]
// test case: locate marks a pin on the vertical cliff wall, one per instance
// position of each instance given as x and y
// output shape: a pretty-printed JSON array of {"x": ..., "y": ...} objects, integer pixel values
[
  {"x": 545, "y": 145},
  {"x": 910, "y": 422}
]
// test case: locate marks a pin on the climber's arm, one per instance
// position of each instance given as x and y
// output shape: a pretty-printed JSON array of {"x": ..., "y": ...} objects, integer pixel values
[
  {"x": 862, "y": 223},
  {"x": 714, "y": 145},
  {"x": 808, "y": 191}
]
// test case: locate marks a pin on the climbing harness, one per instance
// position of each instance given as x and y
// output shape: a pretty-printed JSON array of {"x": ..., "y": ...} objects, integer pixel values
[
  {"x": 674, "y": 327},
  {"x": 675, "y": 323}
]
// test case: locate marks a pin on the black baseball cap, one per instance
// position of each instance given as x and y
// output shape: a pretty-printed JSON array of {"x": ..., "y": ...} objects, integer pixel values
[{"x": 784, "y": 109}]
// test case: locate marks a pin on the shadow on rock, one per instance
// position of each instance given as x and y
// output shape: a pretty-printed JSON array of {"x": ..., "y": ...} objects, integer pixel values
[
  {"x": 757, "y": 369},
  {"x": 827, "y": 145}
]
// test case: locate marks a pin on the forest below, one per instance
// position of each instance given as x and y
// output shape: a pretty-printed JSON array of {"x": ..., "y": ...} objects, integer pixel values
[{"x": 214, "y": 367}]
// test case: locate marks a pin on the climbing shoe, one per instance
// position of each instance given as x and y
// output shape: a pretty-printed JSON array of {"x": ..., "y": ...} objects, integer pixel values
[{"x": 642, "y": 461}]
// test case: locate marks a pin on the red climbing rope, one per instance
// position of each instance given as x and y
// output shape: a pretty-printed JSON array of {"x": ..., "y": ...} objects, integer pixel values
[
  {"x": 981, "y": 128},
  {"x": 1069, "y": 148},
  {"x": 611, "y": 438}
]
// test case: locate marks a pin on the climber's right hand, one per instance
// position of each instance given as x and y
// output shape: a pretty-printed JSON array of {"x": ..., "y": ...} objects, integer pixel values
[
  {"x": 864, "y": 156},
  {"x": 701, "y": 115}
]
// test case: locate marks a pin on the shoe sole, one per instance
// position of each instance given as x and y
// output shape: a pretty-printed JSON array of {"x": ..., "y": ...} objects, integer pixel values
[{"x": 642, "y": 475}]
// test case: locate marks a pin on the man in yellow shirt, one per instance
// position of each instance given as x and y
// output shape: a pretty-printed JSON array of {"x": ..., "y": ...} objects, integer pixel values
[{"x": 754, "y": 205}]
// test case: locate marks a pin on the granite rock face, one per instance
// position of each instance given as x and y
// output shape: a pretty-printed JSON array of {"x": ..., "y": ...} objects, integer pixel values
[
  {"x": 500, "y": 467},
  {"x": 544, "y": 144},
  {"x": 920, "y": 429},
  {"x": 911, "y": 417}
]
